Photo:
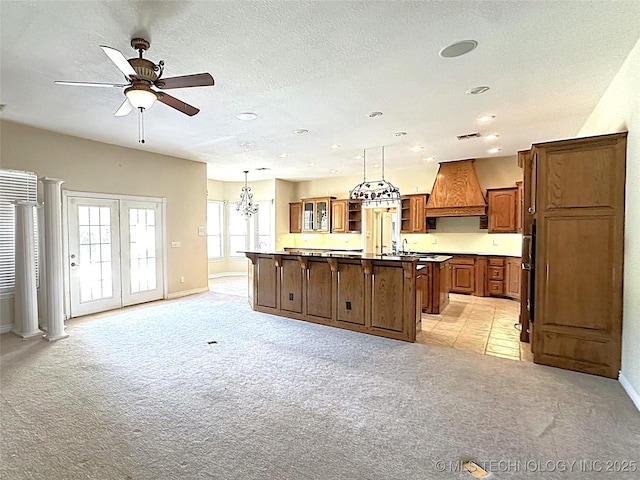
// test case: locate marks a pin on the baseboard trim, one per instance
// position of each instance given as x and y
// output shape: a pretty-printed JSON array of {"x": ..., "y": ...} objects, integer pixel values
[
  {"x": 633, "y": 394},
  {"x": 184, "y": 293},
  {"x": 227, "y": 274},
  {"x": 6, "y": 328}
]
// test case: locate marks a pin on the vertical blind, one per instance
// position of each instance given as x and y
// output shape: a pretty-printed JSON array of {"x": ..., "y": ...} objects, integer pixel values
[{"x": 14, "y": 185}]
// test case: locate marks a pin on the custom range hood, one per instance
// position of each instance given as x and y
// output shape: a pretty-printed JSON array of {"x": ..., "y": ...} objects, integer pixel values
[{"x": 456, "y": 191}]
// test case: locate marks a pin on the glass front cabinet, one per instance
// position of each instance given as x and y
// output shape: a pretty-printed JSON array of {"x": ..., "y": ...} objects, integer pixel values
[{"x": 316, "y": 214}]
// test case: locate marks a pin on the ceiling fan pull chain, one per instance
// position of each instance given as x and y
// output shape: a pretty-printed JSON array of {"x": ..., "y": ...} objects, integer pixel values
[{"x": 140, "y": 125}]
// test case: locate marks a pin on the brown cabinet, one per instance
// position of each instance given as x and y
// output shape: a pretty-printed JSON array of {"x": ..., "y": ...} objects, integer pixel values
[
  {"x": 346, "y": 216},
  {"x": 463, "y": 274},
  {"x": 413, "y": 213},
  {"x": 295, "y": 217},
  {"x": 339, "y": 216},
  {"x": 578, "y": 209},
  {"x": 316, "y": 214},
  {"x": 503, "y": 206},
  {"x": 433, "y": 282},
  {"x": 519, "y": 206},
  {"x": 513, "y": 274}
]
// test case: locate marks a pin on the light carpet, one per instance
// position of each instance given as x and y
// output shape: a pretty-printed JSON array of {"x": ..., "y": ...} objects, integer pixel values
[{"x": 139, "y": 393}]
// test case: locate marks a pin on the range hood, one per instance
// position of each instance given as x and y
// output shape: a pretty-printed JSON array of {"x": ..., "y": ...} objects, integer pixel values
[{"x": 456, "y": 191}]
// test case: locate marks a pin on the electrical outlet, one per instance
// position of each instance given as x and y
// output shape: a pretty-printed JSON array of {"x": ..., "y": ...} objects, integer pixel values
[
  {"x": 201, "y": 231},
  {"x": 181, "y": 279},
  {"x": 175, "y": 244},
  {"x": 495, "y": 243},
  {"x": 434, "y": 241}
]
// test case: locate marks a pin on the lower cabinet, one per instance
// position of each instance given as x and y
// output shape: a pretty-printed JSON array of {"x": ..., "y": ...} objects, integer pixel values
[
  {"x": 513, "y": 276},
  {"x": 433, "y": 282},
  {"x": 463, "y": 274}
]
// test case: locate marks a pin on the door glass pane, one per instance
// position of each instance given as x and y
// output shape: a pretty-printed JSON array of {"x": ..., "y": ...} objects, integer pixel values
[
  {"x": 322, "y": 216},
  {"x": 94, "y": 254},
  {"x": 142, "y": 246},
  {"x": 307, "y": 216}
]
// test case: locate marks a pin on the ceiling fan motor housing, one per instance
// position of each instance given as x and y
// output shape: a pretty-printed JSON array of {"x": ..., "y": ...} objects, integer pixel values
[{"x": 145, "y": 69}]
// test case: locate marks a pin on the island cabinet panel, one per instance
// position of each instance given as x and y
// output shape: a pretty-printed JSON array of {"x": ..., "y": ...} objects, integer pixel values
[
  {"x": 267, "y": 275},
  {"x": 291, "y": 286},
  {"x": 362, "y": 293},
  {"x": 387, "y": 287},
  {"x": 350, "y": 293},
  {"x": 319, "y": 289}
]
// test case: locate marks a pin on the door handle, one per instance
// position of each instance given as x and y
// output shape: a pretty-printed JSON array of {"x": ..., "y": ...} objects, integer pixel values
[{"x": 527, "y": 266}]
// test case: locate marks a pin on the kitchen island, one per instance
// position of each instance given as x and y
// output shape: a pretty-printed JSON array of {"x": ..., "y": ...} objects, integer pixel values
[{"x": 366, "y": 293}]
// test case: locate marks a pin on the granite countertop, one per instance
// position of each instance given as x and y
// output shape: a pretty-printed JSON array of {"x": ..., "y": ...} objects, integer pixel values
[{"x": 419, "y": 258}]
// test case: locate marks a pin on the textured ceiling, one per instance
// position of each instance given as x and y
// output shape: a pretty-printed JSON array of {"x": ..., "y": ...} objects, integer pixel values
[{"x": 320, "y": 66}]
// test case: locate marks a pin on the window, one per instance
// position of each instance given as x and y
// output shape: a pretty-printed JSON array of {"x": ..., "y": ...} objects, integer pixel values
[
  {"x": 14, "y": 185},
  {"x": 262, "y": 226},
  {"x": 214, "y": 230},
  {"x": 237, "y": 231}
]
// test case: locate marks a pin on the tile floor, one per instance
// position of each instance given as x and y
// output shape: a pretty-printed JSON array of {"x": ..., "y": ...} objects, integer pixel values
[{"x": 484, "y": 325}]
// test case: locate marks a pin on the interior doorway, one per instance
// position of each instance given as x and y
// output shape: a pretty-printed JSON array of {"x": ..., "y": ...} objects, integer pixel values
[
  {"x": 115, "y": 250},
  {"x": 382, "y": 230}
]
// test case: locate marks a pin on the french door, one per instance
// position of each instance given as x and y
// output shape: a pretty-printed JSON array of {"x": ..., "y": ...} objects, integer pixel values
[{"x": 115, "y": 252}]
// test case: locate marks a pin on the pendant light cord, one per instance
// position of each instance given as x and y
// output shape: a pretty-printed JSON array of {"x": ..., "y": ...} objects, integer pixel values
[{"x": 140, "y": 125}]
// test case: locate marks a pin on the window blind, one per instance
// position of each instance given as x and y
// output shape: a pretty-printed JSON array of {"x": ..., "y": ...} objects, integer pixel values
[{"x": 14, "y": 185}]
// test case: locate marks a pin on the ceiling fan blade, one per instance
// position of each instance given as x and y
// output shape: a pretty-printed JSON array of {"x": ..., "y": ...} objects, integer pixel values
[
  {"x": 177, "y": 104},
  {"x": 117, "y": 57},
  {"x": 196, "y": 80},
  {"x": 124, "y": 109},
  {"x": 90, "y": 84}
]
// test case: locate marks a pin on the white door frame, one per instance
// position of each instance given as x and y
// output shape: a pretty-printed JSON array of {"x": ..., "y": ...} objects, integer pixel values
[{"x": 66, "y": 194}]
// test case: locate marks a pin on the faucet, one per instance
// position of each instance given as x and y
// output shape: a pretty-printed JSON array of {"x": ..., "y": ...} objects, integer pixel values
[
  {"x": 262, "y": 244},
  {"x": 404, "y": 245}
]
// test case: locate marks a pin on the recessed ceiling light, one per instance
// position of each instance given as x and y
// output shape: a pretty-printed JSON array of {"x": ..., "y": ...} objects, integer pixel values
[
  {"x": 493, "y": 136},
  {"x": 374, "y": 114},
  {"x": 459, "y": 48},
  {"x": 283, "y": 155},
  {"x": 246, "y": 144},
  {"x": 301, "y": 131},
  {"x": 358, "y": 157},
  {"x": 335, "y": 146},
  {"x": 494, "y": 150},
  {"x": 429, "y": 159},
  {"x": 477, "y": 90},
  {"x": 376, "y": 165},
  {"x": 399, "y": 134},
  {"x": 246, "y": 116},
  {"x": 486, "y": 118},
  {"x": 417, "y": 148},
  {"x": 311, "y": 164},
  {"x": 332, "y": 171}
]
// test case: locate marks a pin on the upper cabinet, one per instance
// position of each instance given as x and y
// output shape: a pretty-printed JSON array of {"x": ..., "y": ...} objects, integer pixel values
[
  {"x": 346, "y": 216},
  {"x": 503, "y": 207},
  {"x": 413, "y": 213},
  {"x": 295, "y": 217},
  {"x": 316, "y": 214}
]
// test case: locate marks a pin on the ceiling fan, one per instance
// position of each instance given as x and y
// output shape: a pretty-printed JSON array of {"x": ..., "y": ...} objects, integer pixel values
[{"x": 142, "y": 74}]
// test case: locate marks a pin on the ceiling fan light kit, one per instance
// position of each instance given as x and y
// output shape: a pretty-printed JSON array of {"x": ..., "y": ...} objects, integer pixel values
[{"x": 142, "y": 75}]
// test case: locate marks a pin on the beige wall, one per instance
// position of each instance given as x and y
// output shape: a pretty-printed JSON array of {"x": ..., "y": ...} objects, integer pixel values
[
  {"x": 452, "y": 234},
  {"x": 229, "y": 192},
  {"x": 98, "y": 167},
  {"x": 619, "y": 111}
]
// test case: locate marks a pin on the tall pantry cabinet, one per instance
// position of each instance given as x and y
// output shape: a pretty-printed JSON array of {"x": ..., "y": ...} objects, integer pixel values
[{"x": 576, "y": 204}]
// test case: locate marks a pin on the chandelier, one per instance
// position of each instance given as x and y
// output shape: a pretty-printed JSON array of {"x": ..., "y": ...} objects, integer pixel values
[
  {"x": 376, "y": 192},
  {"x": 245, "y": 205}
]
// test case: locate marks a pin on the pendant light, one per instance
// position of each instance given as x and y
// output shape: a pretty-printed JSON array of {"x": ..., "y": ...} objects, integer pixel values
[
  {"x": 245, "y": 205},
  {"x": 376, "y": 192}
]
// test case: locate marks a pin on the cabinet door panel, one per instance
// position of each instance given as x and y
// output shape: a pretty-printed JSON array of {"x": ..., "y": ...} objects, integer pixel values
[
  {"x": 462, "y": 279},
  {"x": 291, "y": 286},
  {"x": 387, "y": 287},
  {"x": 319, "y": 299},
  {"x": 267, "y": 282},
  {"x": 502, "y": 211},
  {"x": 351, "y": 294}
]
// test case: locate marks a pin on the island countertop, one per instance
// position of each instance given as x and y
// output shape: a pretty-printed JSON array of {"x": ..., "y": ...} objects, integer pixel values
[{"x": 418, "y": 258}]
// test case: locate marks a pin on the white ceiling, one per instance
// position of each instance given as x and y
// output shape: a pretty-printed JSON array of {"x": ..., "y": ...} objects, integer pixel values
[{"x": 320, "y": 66}]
